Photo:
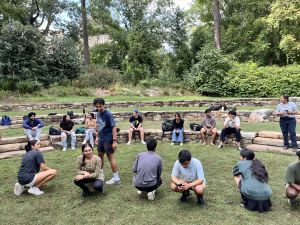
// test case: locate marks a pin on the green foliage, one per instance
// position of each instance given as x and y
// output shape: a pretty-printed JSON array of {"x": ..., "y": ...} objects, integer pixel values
[
  {"x": 200, "y": 37},
  {"x": 208, "y": 74},
  {"x": 249, "y": 80},
  {"x": 28, "y": 86}
]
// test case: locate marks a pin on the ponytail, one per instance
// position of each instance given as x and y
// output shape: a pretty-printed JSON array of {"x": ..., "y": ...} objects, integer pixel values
[
  {"x": 29, "y": 145},
  {"x": 258, "y": 169}
]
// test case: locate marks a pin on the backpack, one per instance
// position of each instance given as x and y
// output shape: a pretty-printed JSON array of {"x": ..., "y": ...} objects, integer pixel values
[
  {"x": 195, "y": 127},
  {"x": 54, "y": 131},
  {"x": 5, "y": 121},
  {"x": 80, "y": 130},
  {"x": 71, "y": 114},
  {"x": 167, "y": 125}
]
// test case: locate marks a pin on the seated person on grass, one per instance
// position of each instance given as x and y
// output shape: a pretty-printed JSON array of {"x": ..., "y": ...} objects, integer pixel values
[
  {"x": 33, "y": 127},
  {"x": 29, "y": 174},
  {"x": 292, "y": 179},
  {"x": 177, "y": 133},
  {"x": 148, "y": 168},
  {"x": 136, "y": 126},
  {"x": 231, "y": 126},
  {"x": 187, "y": 174},
  {"x": 252, "y": 178},
  {"x": 67, "y": 129},
  {"x": 208, "y": 127},
  {"x": 88, "y": 170},
  {"x": 90, "y": 129}
]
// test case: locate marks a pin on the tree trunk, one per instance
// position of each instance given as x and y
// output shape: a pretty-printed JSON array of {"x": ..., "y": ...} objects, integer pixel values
[
  {"x": 86, "y": 51},
  {"x": 217, "y": 23}
]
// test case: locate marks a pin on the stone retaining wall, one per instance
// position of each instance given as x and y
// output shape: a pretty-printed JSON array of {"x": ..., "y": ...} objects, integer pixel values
[{"x": 192, "y": 103}]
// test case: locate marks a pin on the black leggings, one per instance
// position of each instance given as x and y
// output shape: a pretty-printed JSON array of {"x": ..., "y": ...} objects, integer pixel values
[
  {"x": 97, "y": 183},
  {"x": 152, "y": 188}
]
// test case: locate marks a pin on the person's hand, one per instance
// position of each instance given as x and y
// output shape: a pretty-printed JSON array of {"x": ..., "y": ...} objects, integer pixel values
[
  {"x": 79, "y": 177},
  {"x": 186, "y": 186},
  {"x": 85, "y": 173},
  {"x": 114, "y": 145},
  {"x": 33, "y": 128},
  {"x": 68, "y": 132},
  {"x": 177, "y": 131},
  {"x": 97, "y": 141}
]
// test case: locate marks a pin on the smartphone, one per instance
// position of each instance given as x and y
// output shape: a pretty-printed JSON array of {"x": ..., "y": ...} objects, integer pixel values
[{"x": 179, "y": 185}]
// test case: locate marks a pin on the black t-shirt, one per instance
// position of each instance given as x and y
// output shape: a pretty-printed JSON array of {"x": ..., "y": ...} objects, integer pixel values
[
  {"x": 67, "y": 125},
  {"x": 136, "y": 120},
  {"x": 178, "y": 125},
  {"x": 30, "y": 166}
]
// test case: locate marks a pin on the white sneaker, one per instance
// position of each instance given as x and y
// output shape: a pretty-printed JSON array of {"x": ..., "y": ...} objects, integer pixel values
[
  {"x": 172, "y": 143},
  {"x": 112, "y": 181},
  {"x": 240, "y": 148},
  {"x": 84, "y": 142},
  {"x": 220, "y": 146},
  {"x": 139, "y": 192},
  {"x": 64, "y": 149},
  {"x": 181, "y": 144},
  {"x": 151, "y": 195},
  {"x": 73, "y": 148},
  {"x": 129, "y": 143},
  {"x": 18, "y": 189},
  {"x": 35, "y": 191},
  {"x": 143, "y": 142}
]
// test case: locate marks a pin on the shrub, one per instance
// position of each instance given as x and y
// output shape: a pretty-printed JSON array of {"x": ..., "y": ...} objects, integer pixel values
[{"x": 28, "y": 86}]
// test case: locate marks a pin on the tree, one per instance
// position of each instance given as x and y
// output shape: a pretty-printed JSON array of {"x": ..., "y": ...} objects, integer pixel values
[
  {"x": 86, "y": 51},
  {"x": 217, "y": 23}
]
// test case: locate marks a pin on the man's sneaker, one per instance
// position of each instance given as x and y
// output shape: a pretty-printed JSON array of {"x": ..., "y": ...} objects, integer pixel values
[
  {"x": 184, "y": 196},
  {"x": 73, "y": 148},
  {"x": 292, "y": 202},
  {"x": 151, "y": 195},
  {"x": 18, "y": 189},
  {"x": 200, "y": 201},
  {"x": 243, "y": 204},
  {"x": 181, "y": 143},
  {"x": 129, "y": 143},
  {"x": 240, "y": 148},
  {"x": 139, "y": 192},
  {"x": 35, "y": 191},
  {"x": 143, "y": 142},
  {"x": 84, "y": 194},
  {"x": 84, "y": 142},
  {"x": 220, "y": 146},
  {"x": 64, "y": 149},
  {"x": 112, "y": 181},
  {"x": 285, "y": 148},
  {"x": 172, "y": 143}
]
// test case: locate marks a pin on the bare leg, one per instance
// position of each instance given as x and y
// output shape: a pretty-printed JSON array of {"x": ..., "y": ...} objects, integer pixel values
[
  {"x": 101, "y": 155},
  {"x": 202, "y": 135},
  {"x": 214, "y": 135},
  {"x": 113, "y": 162},
  {"x": 142, "y": 133},
  {"x": 130, "y": 131},
  {"x": 44, "y": 176}
]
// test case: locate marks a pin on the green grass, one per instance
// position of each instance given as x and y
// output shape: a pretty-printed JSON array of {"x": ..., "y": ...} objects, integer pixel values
[
  {"x": 61, "y": 203},
  {"x": 124, "y": 125}
]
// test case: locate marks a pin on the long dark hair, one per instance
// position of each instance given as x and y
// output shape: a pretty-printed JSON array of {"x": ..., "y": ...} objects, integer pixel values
[
  {"x": 29, "y": 145},
  {"x": 82, "y": 150},
  {"x": 64, "y": 118}
]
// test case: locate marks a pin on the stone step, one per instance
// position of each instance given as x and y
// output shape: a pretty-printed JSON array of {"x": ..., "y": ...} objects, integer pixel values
[
  {"x": 20, "y": 146},
  {"x": 270, "y": 142},
  {"x": 273, "y": 134},
  {"x": 5, "y": 155},
  {"x": 11, "y": 126},
  {"x": 20, "y": 139},
  {"x": 266, "y": 148}
]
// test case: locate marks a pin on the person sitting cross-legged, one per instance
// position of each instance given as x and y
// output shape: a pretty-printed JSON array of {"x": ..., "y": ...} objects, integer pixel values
[
  {"x": 231, "y": 126},
  {"x": 136, "y": 126},
  {"x": 33, "y": 126},
  {"x": 292, "y": 179},
  {"x": 29, "y": 174},
  {"x": 88, "y": 170},
  {"x": 208, "y": 127},
  {"x": 147, "y": 170},
  {"x": 252, "y": 178},
  {"x": 177, "y": 133},
  {"x": 187, "y": 174}
]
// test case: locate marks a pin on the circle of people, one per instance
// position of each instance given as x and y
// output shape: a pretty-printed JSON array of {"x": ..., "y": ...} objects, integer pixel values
[{"x": 250, "y": 174}]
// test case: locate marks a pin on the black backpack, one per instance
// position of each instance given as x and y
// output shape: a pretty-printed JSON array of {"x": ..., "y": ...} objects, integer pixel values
[
  {"x": 195, "y": 127},
  {"x": 71, "y": 114},
  {"x": 54, "y": 131},
  {"x": 5, "y": 121},
  {"x": 167, "y": 125}
]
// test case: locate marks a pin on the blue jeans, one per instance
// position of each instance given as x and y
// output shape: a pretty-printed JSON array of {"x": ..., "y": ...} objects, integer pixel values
[
  {"x": 33, "y": 133},
  {"x": 288, "y": 126},
  {"x": 64, "y": 139},
  {"x": 89, "y": 137},
  {"x": 177, "y": 137}
]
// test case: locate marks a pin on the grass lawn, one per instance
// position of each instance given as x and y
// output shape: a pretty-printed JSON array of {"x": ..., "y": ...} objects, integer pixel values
[
  {"x": 124, "y": 125},
  {"x": 62, "y": 204}
]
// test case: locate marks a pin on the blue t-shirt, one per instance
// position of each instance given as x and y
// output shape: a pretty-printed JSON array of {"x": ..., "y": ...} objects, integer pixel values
[
  {"x": 30, "y": 166},
  {"x": 105, "y": 122},
  {"x": 193, "y": 172}
]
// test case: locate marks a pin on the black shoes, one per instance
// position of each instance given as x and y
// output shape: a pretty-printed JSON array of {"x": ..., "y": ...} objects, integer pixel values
[
  {"x": 85, "y": 194},
  {"x": 184, "y": 196},
  {"x": 200, "y": 201}
]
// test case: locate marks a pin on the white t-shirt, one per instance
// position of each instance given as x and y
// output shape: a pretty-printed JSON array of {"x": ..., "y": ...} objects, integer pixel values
[{"x": 232, "y": 122}]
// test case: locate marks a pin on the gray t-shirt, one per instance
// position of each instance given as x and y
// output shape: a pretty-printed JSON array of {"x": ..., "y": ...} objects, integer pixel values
[
  {"x": 30, "y": 166},
  {"x": 147, "y": 168}
]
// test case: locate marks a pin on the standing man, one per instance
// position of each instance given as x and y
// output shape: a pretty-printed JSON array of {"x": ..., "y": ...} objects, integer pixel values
[
  {"x": 187, "y": 174},
  {"x": 232, "y": 125},
  {"x": 106, "y": 137},
  {"x": 292, "y": 179},
  {"x": 136, "y": 126},
  {"x": 208, "y": 127},
  {"x": 33, "y": 127}
]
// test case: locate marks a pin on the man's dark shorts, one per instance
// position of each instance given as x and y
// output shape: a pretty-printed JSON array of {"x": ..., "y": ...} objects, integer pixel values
[{"x": 106, "y": 147}]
